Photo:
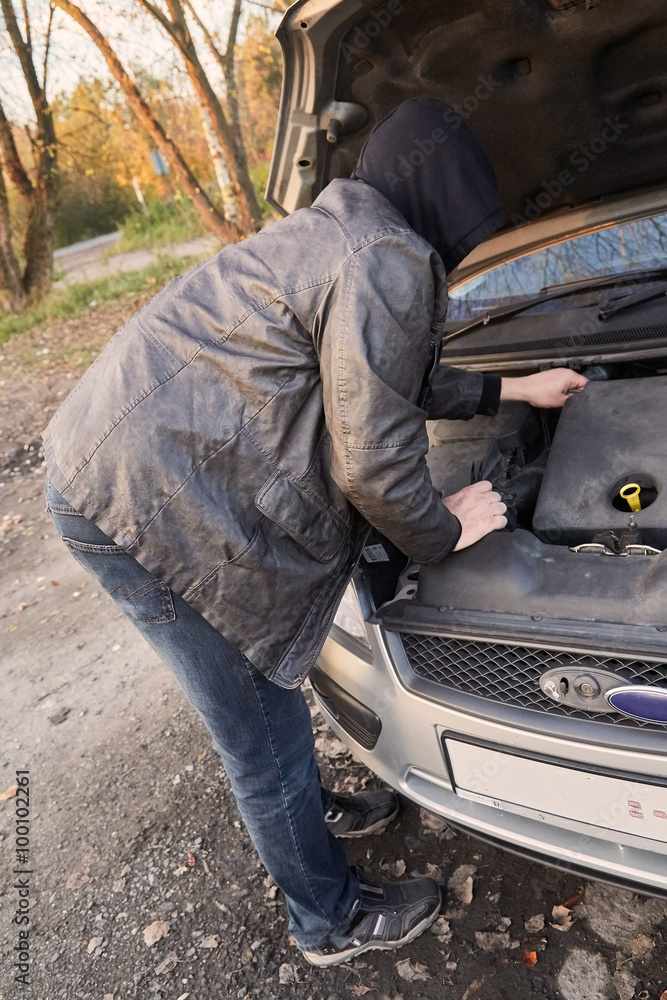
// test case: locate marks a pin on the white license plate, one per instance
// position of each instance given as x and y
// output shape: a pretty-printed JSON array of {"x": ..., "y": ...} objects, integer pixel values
[{"x": 506, "y": 781}]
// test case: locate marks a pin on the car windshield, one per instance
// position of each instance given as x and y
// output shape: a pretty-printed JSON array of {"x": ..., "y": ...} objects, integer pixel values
[{"x": 633, "y": 246}]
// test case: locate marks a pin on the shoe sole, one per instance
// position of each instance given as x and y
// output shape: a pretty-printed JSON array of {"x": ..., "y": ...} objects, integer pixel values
[
  {"x": 375, "y": 828},
  {"x": 325, "y": 960}
]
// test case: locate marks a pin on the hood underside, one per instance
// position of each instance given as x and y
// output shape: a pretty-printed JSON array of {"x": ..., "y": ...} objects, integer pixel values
[{"x": 569, "y": 97}]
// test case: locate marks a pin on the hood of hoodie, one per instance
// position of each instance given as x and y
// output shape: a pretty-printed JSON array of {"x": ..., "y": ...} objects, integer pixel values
[
  {"x": 569, "y": 97},
  {"x": 427, "y": 161}
]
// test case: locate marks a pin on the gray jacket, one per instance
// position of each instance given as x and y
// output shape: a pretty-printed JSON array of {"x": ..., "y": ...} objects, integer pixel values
[{"x": 241, "y": 432}]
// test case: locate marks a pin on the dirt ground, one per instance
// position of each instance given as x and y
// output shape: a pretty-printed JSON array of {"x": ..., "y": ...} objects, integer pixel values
[{"x": 143, "y": 883}]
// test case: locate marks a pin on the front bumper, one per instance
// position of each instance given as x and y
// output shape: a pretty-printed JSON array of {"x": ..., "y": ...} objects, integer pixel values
[{"x": 619, "y": 838}]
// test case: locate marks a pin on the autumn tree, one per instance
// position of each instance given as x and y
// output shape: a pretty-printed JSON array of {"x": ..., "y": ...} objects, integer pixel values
[
  {"x": 37, "y": 182},
  {"x": 224, "y": 122},
  {"x": 223, "y": 114},
  {"x": 260, "y": 78}
]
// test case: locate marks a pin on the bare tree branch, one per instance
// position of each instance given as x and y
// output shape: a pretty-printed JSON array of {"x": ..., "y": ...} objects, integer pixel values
[
  {"x": 158, "y": 14},
  {"x": 232, "y": 33},
  {"x": 208, "y": 37},
  {"x": 26, "y": 21},
  {"x": 24, "y": 54},
  {"x": 47, "y": 44}
]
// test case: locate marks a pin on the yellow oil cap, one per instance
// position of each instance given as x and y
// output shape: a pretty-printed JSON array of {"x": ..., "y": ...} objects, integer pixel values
[{"x": 630, "y": 493}]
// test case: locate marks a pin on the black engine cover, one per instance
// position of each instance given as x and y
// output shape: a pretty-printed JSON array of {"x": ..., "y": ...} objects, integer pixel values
[{"x": 611, "y": 434}]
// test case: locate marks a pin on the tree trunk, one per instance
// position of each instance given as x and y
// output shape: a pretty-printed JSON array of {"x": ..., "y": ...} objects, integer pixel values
[
  {"x": 212, "y": 218},
  {"x": 38, "y": 244},
  {"x": 10, "y": 272},
  {"x": 247, "y": 208},
  {"x": 40, "y": 193}
]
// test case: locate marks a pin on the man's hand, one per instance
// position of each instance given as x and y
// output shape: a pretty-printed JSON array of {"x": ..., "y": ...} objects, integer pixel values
[
  {"x": 547, "y": 390},
  {"x": 479, "y": 510}
]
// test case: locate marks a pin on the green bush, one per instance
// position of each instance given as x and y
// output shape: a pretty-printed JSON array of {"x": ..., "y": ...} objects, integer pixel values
[{"x": 167, "y": 221}]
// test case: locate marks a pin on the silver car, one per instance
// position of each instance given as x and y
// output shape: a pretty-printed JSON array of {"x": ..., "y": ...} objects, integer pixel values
[{"x": 518, "y": 689}]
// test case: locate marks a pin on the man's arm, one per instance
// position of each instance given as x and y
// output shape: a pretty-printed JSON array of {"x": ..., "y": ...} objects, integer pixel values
[
  {"x": 457, "y": 394},
  {"x": 375, "y": 345}
]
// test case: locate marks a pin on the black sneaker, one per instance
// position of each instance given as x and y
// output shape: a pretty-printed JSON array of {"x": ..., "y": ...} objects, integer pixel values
[
  {"x": 388, "y": 915},
  {"x": 362, "y": 813}
]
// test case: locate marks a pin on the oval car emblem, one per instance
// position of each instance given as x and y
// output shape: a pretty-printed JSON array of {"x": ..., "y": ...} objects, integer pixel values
[{"x": 648, "y": 704}]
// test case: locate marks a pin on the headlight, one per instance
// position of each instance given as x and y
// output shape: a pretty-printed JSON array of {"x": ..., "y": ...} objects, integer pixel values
[{"x": 349, "y": 617}]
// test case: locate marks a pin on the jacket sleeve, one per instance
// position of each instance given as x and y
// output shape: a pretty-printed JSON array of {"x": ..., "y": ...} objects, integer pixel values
[
  {"x": 456, "y": 394},
  {"x": 375, "y": 346}
]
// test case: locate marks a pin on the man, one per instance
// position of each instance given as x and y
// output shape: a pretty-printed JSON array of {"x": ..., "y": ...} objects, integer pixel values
[{"x": 218, "y": 467}]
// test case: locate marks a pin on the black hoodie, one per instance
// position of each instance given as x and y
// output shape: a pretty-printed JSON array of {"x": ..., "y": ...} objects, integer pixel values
[{"x": 427, "y": 161}]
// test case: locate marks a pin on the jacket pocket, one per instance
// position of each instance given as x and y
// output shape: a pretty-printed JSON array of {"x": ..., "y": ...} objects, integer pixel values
[{"x": 307, "y": 520}]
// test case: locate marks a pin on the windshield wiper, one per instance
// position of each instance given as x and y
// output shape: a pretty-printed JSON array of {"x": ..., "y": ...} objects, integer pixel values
[
  {"x": 622, "y": 302},
  {"x": 557, "y": 292}
]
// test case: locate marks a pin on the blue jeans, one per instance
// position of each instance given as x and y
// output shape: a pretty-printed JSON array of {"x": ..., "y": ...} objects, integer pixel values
[{"x": 262, "y": 732}]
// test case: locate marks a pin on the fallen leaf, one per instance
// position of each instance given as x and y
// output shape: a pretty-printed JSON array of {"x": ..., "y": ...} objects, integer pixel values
[
  {"x": 529, "y": 959},
  {"x": 20, "y": 607},
  {"x": 492, "y": 940},
  {"x": 361, "y": 991},
  {"x": 155, "y": 931},
  {"x": 477, "y": 984},
  {"x": 441, "y": 928},
  {"x": 212, "y": 941},
  {"x": 503, "y": 923},
  {"x": 625, "y": 985},
  {"x": 170, "y": 962},
  {"x": 191, "y": 859},
  {"x": 118, "y": 885},
  {"x": 432, "y": 823},
  {"x": 461, "y": 883},
  {"x": 412, "y": 971},
  {"x": 76, "y": 880},
  {"x": 55, "y": 583},
  {"x": 641, "y": 945},
  {"x": 562, "y": 918},
  {"x": 535, "y": 924},
  {"x": 288, "y": 974},
  {"x": 399, "y": 868},
  {"x": 93, "y": 944},
  {"x": 573, "y": 900},
  {"x": 181, "y": 870},
  {"x": 330, "y": 746},
  {"x": 8, "y": 793},
  {"x": 184, "y": 996}
]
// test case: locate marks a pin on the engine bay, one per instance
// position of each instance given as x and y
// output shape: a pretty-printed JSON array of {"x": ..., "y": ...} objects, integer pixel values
[
  {"x": 589, "y": 474},
  {"x": 585, "y": 489}
]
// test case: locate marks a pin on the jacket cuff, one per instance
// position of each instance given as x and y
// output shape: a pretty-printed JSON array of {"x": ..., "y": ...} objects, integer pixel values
[
  {"x": 490, "y": 399},
  {"x": 454, "y": 531}
]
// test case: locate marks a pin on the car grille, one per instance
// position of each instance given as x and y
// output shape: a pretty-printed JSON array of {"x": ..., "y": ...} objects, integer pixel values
[{"x": 510, "y": 673}]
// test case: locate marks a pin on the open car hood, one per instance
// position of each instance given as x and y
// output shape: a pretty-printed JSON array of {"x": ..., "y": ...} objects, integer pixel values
[{"x": 569, "y": 97}]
